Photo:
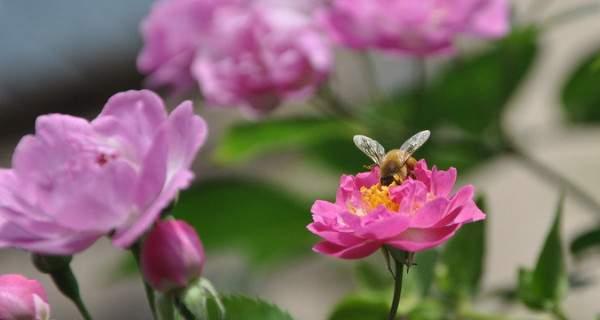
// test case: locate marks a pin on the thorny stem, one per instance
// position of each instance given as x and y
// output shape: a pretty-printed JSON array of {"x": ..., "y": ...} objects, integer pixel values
[
  {"x": 398, "y": 275},
  {"x": 550, "y": 174},
  {"x": 135, "y": 251}
]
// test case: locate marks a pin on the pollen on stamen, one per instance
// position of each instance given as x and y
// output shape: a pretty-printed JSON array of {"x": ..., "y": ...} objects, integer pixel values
[{"x": 378, "y": 195}]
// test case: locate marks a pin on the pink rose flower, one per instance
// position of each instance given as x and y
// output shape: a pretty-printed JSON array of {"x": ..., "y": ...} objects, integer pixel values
[
  {"x": 74, "y": 181},
  {"x": 419, "y": 214},
  {"x": 415, "y": 27},
  {"x": 22, "y": 299},
  {"x": 172, "y": 255},
  {"x": 173, "y": 32},
  {"x": 261, "y": 56}
]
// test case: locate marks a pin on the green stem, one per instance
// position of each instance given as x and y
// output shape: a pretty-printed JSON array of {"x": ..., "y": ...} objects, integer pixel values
[
  {"x": 135, "y": 251},
  {"x": 66, "y": 282},
  {"x": 183, "y": 310},
  {"x": 399, "y": 274}
]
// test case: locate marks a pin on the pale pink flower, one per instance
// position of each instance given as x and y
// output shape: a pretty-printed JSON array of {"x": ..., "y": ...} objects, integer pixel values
[
  {"x": 260, "y": 57},
  {"x": 419, "y": 214},
  {"x": 74, "y": 181},
  {"x": 22, "y": 299},
  {"x": 420, "y": 27},
  {"x": 172, "y": 255},
  {"x": 173, "y": 32}
]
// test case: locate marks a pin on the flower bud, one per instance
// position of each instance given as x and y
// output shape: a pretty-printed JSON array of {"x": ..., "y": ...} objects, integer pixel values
[
  {"x": 172, "y": 255},
  {"x": 22, "y": 299}
]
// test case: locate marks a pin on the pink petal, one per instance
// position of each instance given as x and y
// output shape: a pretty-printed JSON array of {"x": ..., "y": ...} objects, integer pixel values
[
  {"x": 94, "y": 201},
  {"x": 187, "y": 133},
  {"x": 385, "y": 228},
  {"x": 354, "y": 252},
  {"x": 414, "y": 240},
  {"x": 153, "y": 174},
  {"x": 324, "y": 211},
  {"x": 442, "y": 181},
  {"x": 141, "y": 111},
  {"x": 430, "y": 214},
  {"x": 125, "y": 236},
  {"x": 493, "y": 20},
  {"x": 338, "y": 238},
  {"x": 13, "y": 235}
]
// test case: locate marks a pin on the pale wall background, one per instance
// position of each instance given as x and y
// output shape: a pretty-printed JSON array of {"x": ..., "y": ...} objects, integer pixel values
[{"x": 521, "y": 203}]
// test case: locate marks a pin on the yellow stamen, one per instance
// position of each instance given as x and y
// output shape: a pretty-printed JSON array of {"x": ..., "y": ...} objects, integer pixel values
[{"x": 378, "y": 195}]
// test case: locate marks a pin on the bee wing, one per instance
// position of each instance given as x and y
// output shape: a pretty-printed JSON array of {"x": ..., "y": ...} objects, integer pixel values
[
  {"x": 413, "y": 144},
  {"x": 370, "y": 147}
]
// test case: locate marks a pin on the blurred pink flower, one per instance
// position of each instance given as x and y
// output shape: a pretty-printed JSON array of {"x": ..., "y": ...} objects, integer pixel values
[
  {"x": 74, "y": 180},
  {"x": 419, "y": 214},
  {"x": 416, "y": 27},
  {"x": 172, "y": 255},
  {"x": 22, "y": 299},
  {"x": 173, "y": 32},
  {"x": 261, "y": 56}
]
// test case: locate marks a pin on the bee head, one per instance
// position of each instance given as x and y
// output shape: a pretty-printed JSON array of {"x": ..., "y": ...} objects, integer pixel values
[{"x": 386, "y": 180}]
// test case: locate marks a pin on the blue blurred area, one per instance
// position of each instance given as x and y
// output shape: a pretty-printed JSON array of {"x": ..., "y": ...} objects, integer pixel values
[{"x": 54, "y": 48}]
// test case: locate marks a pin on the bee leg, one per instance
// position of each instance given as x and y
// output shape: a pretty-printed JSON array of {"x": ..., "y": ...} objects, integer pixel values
[{"x": 398, "y": 179}]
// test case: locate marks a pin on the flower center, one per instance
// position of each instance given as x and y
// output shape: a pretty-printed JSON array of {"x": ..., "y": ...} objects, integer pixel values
[
  {"x": 378, "y": 195},
  {"x": 103, "y": 158}
]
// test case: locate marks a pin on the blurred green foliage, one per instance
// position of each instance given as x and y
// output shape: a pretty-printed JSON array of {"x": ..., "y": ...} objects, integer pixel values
[
  {"x": 247, "y": 140},
  {"x": 246, "y": 308},
  {"x": 580, "y": 95},
  {"x": 463, "y": 257},
  {"x": 585, "y": 242},
  {"x": 361, "y": 307},
  {"x": 262, "y": 221},
  {"x": 544, "y": 287}
]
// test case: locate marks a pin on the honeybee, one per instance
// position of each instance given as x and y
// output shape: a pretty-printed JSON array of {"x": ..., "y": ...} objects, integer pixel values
[{"x": 396, "y": 164}]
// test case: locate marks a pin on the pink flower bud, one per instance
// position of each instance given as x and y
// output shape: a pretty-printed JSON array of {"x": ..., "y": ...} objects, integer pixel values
[
  {"x": 172, "y": 255},
  {"x": 22, "y": 299}
]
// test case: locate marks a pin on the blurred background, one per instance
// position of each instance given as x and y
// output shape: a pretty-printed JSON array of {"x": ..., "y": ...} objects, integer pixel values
[{"x": 69, "y": 56}]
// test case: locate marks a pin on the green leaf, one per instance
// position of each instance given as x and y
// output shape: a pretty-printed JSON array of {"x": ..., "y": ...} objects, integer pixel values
[
  {"x": 361, "y": 307},
  {"x": 463, "y": 155},
  {"x": 580, "y": 95},
  {"x": 473, "y": 92},
  {"x": 586, "y": 241},
  {"x": 246, "y": 308},
  {"x": 424, "y": 270},
  {"x": 248, "y": 140},
  {"x": 262, "y": 221},
  {"x": 340, "y": 155},
  {"x": 463, "y": 258},
  {"x": 428, "y": 310},
  {"x": 544, "y": 287},
  {"x": 371, "y": 278}
]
